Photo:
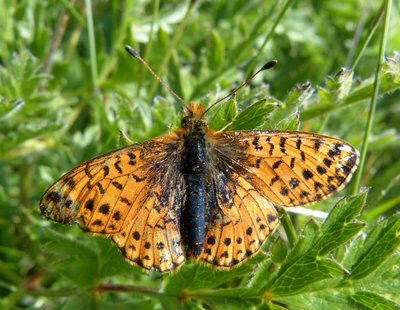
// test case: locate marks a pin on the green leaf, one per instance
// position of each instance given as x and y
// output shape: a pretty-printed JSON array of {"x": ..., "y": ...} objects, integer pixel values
[
  {"x": 84, "y": 301},
  {"x": 382, "y": 242},
  {"x": 223, "y": 114},
  {"x": 9, "y": 106},
  {"x": 338, "y": 92},
  {"x": 175, "y": 76},
  {"x": 303, "y": 272},
  {"x": 193, "y": 277},
  {"x": 338, "y": 227},
  {"x": 305, "y": 264},
  {"x": 67, "y": 118},
  {"x": 278, "y": 251},
  {"x": 292, "y": 122},
  {"x": 299, "y": 95},
  {"x": 252, "y": 116},
  {"x": 237, "y": 298},
  {"x": 111, "y": 262},
  {"x": 309, "y": 237},
  {"x": 373, "y": 301},
  {"x": 217, "y": 51},
  {"x": 20, "y": 77}
]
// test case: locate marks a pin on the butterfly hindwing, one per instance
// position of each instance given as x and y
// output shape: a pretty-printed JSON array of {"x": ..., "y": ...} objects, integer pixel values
[
  {"x": 240, "y": 222},
  {"x": 152, "y": 239}
]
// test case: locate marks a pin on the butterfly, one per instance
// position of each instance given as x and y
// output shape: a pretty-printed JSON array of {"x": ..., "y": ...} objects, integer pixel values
[{"x": 199, "y": 194}]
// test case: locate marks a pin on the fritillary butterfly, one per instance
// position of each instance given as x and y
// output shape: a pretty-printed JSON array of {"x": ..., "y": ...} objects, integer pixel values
[{"x": 198, "y": 193}]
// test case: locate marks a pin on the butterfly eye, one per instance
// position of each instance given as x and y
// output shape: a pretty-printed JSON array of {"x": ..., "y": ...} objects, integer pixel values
[
  {"x": 200, "y": 125},
  {"x": 186, "y": 121}
]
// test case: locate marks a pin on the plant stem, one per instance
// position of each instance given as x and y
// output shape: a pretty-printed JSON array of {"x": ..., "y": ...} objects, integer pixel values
[
  {"x": 289, "y": 228},
  {"x": 374, "y": 98},
  {"x": 369, "y": 37},
  {"x": 92, "y": 42}
]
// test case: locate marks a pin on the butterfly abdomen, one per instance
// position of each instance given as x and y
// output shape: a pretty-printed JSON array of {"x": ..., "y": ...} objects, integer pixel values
[{"x": 194, "y": 170}]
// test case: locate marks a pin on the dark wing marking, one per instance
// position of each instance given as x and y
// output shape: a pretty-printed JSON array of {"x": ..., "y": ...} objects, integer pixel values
[{"x": 288, "y": 168}]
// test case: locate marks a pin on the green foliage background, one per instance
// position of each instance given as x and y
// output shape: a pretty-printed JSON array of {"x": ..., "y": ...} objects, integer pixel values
[{"x": 67, "y": 89}]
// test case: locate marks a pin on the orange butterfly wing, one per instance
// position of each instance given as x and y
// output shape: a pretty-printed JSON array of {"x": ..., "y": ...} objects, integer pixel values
[
  {"x": 255, "y": 170},
  {"x": 240, "y": 222},
  {"x": 132, "y": 194}
]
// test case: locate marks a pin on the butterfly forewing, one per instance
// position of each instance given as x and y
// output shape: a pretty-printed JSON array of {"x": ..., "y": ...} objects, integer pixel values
[{"x": 288, "y": 168}]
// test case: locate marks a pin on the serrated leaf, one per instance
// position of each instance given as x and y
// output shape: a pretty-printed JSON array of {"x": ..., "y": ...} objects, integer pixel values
[
  {"x": 380, "y": 244},
  {"x": 305, "y": 261},
  {"x": 66, "y": 247},
  {"x": 20, "y": 77},
  {"x": 309, "y": 236},
  {"x": 292, "y": 122},
  {"x": 344, "y": 211},
  {"x": 299, "y": 95},
  {"x": 253, "y": 116},
  {"x": 332, "y": 100},
  {"x": 223, "y": 114},
  {"x": 111, "y": 261},
  {"x": 335, "y": 238},
  {"x": 373, "y": 301},
  {"x": 339, "y": 85},
  {"x": 194, "y": 277},
  {"x": 304, "y": 271},
  {"x": 338, "y": 227}
]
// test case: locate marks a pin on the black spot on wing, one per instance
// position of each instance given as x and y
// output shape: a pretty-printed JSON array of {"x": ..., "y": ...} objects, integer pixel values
[
  {"x": 257, "y": 147},
  {"x": 317, "y": 145},
  {"x": 307, "y": 174},
  {"x": 277, "y": 164},
  {"x": 321, "y": 170},
  {"x": 106, "y": 170},
  {"x": 211, "y": 240},
  {"x": 132, "y": 159},
  {"x": 294, "y": 183},
  {"x": 282, "y": 145},
  {"x": 298, "y": 143},
  {"x": 117, "y": 167},
  {"x": 89, "y": 204},
  {"x": 136, "y": 235},
  {"x": 271, "y": 145},
  {"x": 327, "y": 162},
  {"x": 54, "y": 196},
  {"x": 104, "y": 209},
  {"x": 117, "y": 185},
  {"x": 100, "y": 187}
]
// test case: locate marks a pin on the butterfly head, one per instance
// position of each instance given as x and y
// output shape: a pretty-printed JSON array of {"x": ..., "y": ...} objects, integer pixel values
[{"x": 193, "y": 122}]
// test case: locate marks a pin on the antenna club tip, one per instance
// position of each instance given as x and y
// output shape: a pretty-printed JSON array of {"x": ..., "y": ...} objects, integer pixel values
[
  {"x": 131, "y": 51},
  {"x": 269, "y": 65}
]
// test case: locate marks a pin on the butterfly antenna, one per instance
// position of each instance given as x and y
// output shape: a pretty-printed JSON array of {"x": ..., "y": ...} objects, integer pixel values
[
  {"x": 267, "y": 66},
  {"x": 131, "y": 51}
]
